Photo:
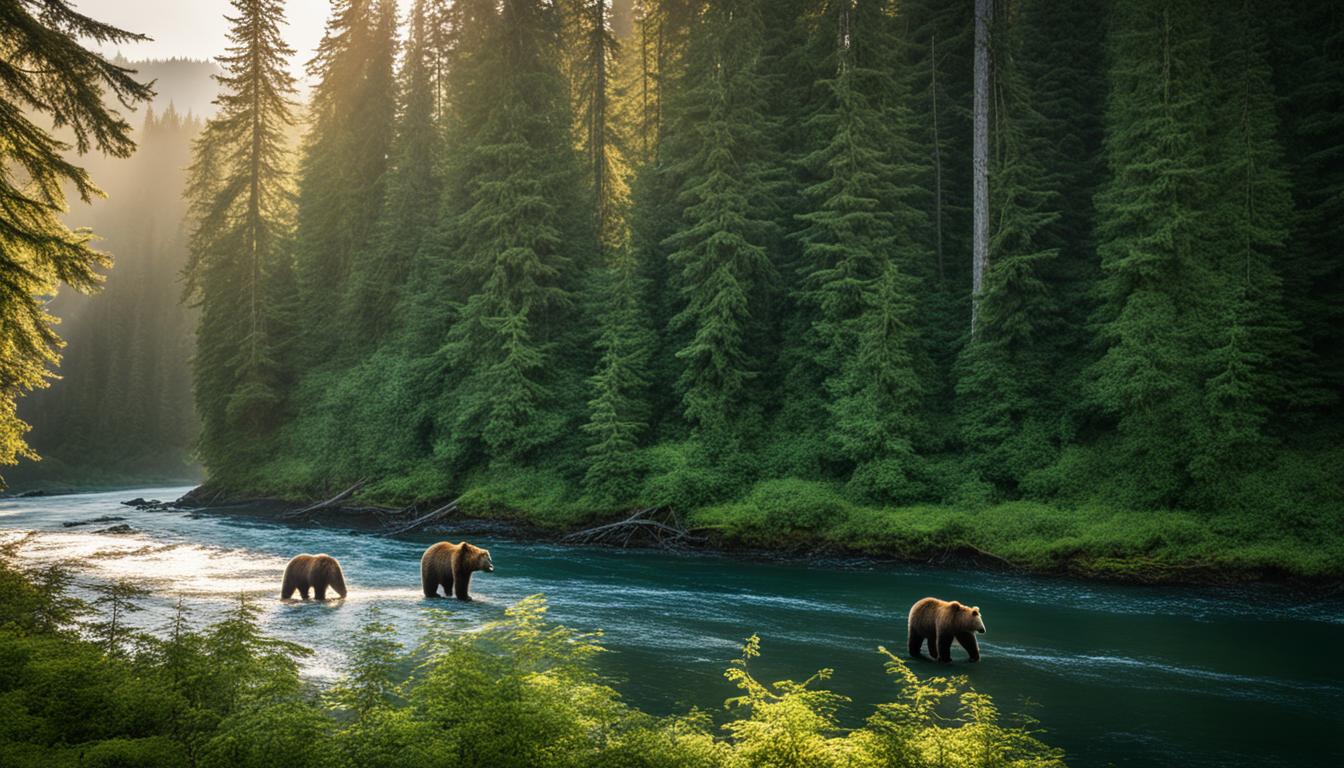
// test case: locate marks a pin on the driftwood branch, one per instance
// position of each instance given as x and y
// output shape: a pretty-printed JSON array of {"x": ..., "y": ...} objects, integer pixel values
[
  {"x": 425, "y": 519},
  {"x": 658, "y": 526},
  {"x": 329, "y": 503}
]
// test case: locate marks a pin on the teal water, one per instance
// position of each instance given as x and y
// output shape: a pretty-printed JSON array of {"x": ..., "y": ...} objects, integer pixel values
[{"x": 1122, "y": 675}]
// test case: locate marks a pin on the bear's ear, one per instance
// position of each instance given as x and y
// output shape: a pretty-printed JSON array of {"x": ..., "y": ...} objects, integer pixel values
[{"x": 955, "y": 604}]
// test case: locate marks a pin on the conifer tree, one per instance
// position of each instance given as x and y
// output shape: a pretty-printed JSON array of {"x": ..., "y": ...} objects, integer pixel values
[
  {"x": 618, "y": 412},
  {"x": 721, "y": 249},
  {"x": 241, "y": 206},
  {"x": 46, "y": 71},
  {"x": 517, "y": 236},
  {"x": 862, "y": 229},
  {"x": 1308, "y": 71},
  {"x": 1256, "y": 350},
  {"x": 1155, "y": 242},
  {"x": 345, "y": 158},
  {"x": 413, "y": 186}
]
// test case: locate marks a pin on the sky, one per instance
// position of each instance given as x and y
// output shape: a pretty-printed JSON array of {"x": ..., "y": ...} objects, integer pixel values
[{"x": 196, "y": 29}]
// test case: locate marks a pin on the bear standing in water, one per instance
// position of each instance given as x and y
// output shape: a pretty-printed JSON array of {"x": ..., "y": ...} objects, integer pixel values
[
  {"x": 312, "y": 571},
  {"x": 451, "y": 566},
  {"x": 940, "y": 623}
]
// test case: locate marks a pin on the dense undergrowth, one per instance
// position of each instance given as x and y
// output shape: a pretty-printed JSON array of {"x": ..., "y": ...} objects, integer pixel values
[{"x": 79, "y": 686}]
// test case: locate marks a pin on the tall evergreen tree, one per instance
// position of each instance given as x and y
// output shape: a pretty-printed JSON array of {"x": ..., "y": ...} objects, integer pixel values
[
  {"x": 46, "y": 70},
  {"x": 413, "y": 186},
  {"x": 241, "y": 205},
  {"x": 1308, "y": 69},
  {"x": 345, "y": 159},
  {"x": 517, "y": 237},
  {"x": 1155, "y": 241},
  {"x": 1250, "y": 370},
  {"x": 722, "y": 246},
  {"x": 862, "y": 234}
]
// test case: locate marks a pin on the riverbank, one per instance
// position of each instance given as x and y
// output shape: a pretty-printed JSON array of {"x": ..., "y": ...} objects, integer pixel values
[{"x": 792, "y": 518}]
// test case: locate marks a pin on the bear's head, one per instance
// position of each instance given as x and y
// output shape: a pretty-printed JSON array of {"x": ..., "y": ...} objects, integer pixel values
[
  {"x": 968, "y": 616},
  {"x": 478, "y": 559}
]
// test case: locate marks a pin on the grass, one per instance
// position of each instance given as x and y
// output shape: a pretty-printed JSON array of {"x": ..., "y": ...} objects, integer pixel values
[{"x": 1089, "y": 540}]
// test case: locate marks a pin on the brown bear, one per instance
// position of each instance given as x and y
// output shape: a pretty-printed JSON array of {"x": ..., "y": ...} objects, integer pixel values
[
  {"x": 312, "y": 571},
  {"x": 451, "y": 565},
  {"x": 941, "y": 622}
]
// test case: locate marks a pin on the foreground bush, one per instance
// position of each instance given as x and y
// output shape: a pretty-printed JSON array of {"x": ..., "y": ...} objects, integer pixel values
[{"x": 518, "y": 692}]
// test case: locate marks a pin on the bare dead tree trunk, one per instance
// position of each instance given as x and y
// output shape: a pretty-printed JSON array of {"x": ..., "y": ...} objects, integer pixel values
[{"x": 984, "y": 11}]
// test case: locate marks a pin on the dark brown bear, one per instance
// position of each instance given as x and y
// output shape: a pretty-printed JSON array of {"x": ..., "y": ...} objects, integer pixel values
[
  {"x": 451, "y": 566},
  {"x": 940, "y": 623},
  {"x": 312, "y": 571}
]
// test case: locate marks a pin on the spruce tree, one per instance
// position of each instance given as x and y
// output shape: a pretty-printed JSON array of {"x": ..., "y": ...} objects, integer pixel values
[
  {"x": 862, "y": 232},
  {"x": 1256, "y": 351},
  {"x": 241, "y": 206},
  {"x": 1159, "y": 274},
  {"x": 721, "y": 248},
  {"x": 518, "y": 240},
  {"x": 46, "y": 71},
  {"x": 343, "y": 169},
  {"x": 377, "y": 285},
  {"x": 618, "y": 411}
]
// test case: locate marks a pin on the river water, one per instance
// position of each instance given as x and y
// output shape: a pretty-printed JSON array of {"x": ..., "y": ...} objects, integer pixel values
[{"x": 1122, "y": 675}]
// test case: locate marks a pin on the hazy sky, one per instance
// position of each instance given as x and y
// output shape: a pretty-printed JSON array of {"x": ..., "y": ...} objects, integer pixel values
[{"x": 196, "y": 29}]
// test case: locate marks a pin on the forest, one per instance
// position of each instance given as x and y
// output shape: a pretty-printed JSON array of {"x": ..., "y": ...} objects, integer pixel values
[{"x": 559, "y": 260}]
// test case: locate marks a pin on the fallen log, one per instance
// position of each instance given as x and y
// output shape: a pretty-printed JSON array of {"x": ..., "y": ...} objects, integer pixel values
[
  {"x": 425, "y": 519},
  {"x": 669, "y": 532},
  {"x": 329, "y": 503}
]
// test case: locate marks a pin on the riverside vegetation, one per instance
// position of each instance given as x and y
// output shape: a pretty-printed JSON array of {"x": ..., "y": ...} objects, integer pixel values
[
  {"x": 565, "y": 259},
  {"x": 80, "y": 686}
]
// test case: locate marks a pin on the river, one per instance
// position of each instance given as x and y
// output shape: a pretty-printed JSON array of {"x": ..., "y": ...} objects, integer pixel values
[{"x": 1123, "y": 675}]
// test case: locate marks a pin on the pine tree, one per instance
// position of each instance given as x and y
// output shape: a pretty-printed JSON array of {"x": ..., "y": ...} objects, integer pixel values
[
  {"x": 1155, "y": 242},
  {"x": 618, "y": 411},
  {"x": 241, "y": 205},
  {"x": 863, "y": 226},
  {"x": 46, "y": 70},
  {"x": 517, "y": 237},
  {"x": 342, "y": 174},
  {"x": 413, "y": 186},
  {"x": 1308, "y": 70},
  {"x": 721, "y": 250},
  {"x": 1256, "y": 350}
]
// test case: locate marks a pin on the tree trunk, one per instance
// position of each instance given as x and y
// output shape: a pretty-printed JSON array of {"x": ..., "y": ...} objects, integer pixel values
[{"x": 984, "y": 10}]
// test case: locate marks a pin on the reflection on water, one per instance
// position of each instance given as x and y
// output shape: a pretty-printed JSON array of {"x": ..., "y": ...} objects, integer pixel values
[{"x": 1115, "y": 674}]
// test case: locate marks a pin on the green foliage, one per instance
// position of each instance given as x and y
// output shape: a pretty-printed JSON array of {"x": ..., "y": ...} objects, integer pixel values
[{"x": 47, "y": 73}]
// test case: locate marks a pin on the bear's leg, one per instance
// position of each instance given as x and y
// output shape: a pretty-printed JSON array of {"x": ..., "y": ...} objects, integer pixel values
[
  {"x": 460, "y": 585},
  {"x": 967, "y": 640},
  {"x": 304, "y": 591},
  {"x": 933, "y": 648},
  {"x": 915, "y": 642},
  {"x": 320, "y": 591},
  {"x": 945, "y": 647},
  {"x": 429, "y": 581}
]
